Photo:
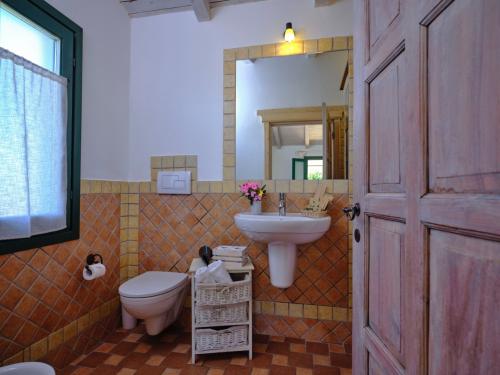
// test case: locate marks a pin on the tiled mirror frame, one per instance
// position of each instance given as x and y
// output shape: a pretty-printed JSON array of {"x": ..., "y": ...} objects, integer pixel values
[{"x": 231, "y": 56}]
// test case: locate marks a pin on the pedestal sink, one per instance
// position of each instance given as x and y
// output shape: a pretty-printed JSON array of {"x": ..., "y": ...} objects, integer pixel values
[{"x": 282, "y": 234}]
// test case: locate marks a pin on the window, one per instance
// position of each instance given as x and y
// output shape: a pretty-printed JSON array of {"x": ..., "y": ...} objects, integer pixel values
[
  {"x": 40, "y": 111},
  {"x": 308, "y": 168}
]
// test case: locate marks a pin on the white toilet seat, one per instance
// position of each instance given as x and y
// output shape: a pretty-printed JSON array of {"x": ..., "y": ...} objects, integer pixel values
[
  {"x": 151, "y": 284},
  {"x": 155, "y": 297}
]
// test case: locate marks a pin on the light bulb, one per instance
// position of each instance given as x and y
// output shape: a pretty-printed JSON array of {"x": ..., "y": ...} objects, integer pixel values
[{"x": 289, "y": 33}]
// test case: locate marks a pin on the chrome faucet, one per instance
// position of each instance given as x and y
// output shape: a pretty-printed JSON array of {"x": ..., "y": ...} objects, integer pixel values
[{"x": 282, "y": 205}]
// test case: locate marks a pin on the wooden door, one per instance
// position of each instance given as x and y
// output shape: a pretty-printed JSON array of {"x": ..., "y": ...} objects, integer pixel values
[{"x": 427, "y": 176}]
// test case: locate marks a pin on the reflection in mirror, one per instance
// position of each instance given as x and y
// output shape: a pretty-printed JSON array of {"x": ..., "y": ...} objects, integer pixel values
[{"x": 291, "y": 117}]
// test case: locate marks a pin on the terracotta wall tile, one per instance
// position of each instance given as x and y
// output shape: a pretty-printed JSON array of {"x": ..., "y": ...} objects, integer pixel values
[
  {"x": 42, "y": 290},
  {"x": 173, "y": 228}
]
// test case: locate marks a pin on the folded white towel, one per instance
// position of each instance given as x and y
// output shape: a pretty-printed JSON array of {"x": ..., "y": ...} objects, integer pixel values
[
  {"x": 219, "y": 272},
  {"x": 203, "y": 276},
  {"x": 228, "y": 250}
]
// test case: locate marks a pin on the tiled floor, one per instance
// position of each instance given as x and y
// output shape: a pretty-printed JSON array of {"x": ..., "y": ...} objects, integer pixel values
[{"x": 135, "y": 353}]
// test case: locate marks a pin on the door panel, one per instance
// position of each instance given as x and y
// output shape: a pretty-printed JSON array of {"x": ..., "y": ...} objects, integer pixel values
[
  {"x": 386, "y": 255},
  {"x": 382, "y": 14},
  {"x": 464, "y": 323},
  {"x": 386, "y": 174},
  {"x": 430, "y": 200},
  {"x": 464, "y": 92},
  {"x": 383, "y": 21}
]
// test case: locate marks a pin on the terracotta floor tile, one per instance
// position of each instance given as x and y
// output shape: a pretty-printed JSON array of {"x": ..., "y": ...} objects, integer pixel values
[
  {"x": 155, "y": 360},
  {"x": 162, "y": 348},
  {"x": 217, "y": 360},
  {"x": 237, "y": 370},
  {"x": 317, "y": 348},
  {"x": 341, "y": 360},
  {"x": 260, "y": 371},
  {"x": 150, "y": 370},
  {"x": 169, "y": 337},
  {"x": 176, "y": 360},
  {"x": 169, "y": 354},
  {"x": 295, "y": 340},
  {"x": 260, "y": 348},
  {"x": 83, "y": 371},
  {"x": 104, "y": 347},
  {"x": 282, "y": 370},
  {"x": 126, "y": 371},
  {"x": 281, "y": 360},
  {"x": 278, "y": 347},
  {"x": 114, "y": 360},
  {"x": 322, "y": 370},
  {"x": 124, "y": 348},
  {"x": 134, "y": 360},
  {"x": 182, "y": 348},
  {"x": 262, "y": 339},
  {"x": 133, "y": 337},
  {"x": 171, "y": 371},
  {"x": 194, "y": 370},
  {"x": 239, "y": 360},
  {"x": 261, "y": 360},
  {"x": 215, "y": 371},
  {"x": 105, "y": 370},
  {"x": 142, "y": 348},
  {"x": 337, "y": 348},
  {"x": 298, "y": 348},
  {"x": 321, "y": 360},
  {"x": 301, "y": 360},
  {"x": 94, "y": 359}
]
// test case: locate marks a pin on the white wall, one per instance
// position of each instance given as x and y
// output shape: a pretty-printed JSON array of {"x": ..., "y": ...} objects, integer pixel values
[
  {"x": 176, "y": 73},
  {"x": 106, "y": 69},
  {"x": 280, "y": 82},
  {"x": 282, "y": 159}
]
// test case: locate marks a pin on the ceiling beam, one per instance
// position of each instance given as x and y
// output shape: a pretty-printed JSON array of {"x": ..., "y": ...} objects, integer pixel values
[
  {"x": 322, "y": 3},
  {"x": 202, "y": 10}
]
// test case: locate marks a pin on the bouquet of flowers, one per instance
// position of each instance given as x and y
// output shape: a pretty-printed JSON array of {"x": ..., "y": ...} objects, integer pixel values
[{"x": 253, "y": 191}]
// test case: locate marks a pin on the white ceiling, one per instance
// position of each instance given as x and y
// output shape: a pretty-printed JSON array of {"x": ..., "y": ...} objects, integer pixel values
[
  {"x": 140, "y": 8},
  {"x": 297, "y": 135}
]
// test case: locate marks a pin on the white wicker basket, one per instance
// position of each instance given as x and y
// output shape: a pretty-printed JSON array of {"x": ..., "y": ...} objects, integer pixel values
[
  {"x": 221, "y": 294},
  {"x": 211, "y": 339},
  {"x": 235, "y": 313}
]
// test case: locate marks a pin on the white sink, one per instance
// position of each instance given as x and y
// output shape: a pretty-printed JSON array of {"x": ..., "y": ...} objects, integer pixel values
[
  {"x": 282, "y": 234},
  {"x": 27, "y": 368}
]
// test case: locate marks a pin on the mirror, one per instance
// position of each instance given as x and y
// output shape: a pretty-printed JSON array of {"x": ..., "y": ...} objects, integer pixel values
[{"x": 292, "y": 117}]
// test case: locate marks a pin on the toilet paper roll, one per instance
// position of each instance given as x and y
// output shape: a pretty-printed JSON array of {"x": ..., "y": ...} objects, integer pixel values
[{"x": 97, "y": 269}]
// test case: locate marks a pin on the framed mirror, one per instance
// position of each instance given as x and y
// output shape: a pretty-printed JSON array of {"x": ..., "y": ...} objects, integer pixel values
[
  {"x": 288, "y": 112},
  {"x": 292, "y": 117}
]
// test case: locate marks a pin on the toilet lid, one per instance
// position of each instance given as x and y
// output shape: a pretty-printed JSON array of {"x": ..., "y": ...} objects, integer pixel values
[{"x": 152, "y": 283}]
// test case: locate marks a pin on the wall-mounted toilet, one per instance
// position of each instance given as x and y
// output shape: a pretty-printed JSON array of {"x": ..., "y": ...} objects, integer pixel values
[{"x": 156, "y": 297}]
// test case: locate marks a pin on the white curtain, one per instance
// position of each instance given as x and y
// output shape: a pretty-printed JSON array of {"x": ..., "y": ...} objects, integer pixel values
[{"x": 33, "y": 115}]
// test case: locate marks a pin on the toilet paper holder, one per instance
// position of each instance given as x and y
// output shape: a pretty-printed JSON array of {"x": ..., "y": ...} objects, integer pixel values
[{"x": 93, "y": 259}]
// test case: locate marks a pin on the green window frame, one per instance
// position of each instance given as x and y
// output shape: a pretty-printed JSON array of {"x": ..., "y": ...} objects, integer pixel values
[
  {"x": 71, "y": 36},
  {"x": 305, "y": 165}
]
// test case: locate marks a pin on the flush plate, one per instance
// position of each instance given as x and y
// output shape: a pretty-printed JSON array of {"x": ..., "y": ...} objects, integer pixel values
[{"x": 178, "y": 182}]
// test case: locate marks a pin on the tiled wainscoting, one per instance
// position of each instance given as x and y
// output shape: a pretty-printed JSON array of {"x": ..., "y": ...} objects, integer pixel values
[
  {"x": 48, "y": 312},
  {"x": 46, "y": 309}
]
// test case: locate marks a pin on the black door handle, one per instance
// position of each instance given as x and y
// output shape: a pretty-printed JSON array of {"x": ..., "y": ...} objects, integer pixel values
[{"x": 352, "y": 211}]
